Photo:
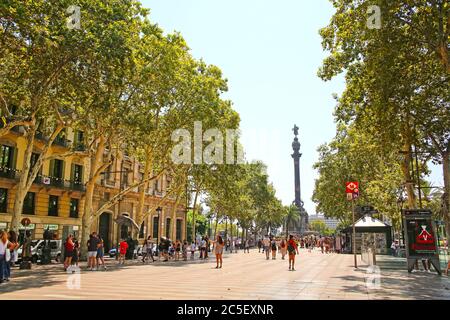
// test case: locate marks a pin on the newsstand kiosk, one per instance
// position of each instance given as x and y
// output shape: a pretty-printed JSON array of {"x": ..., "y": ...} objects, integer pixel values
[{"x": 420, "y": 238}]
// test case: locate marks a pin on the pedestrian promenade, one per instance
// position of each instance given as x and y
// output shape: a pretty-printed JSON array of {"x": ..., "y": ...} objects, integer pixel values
[{"x": 243, "y": 276}]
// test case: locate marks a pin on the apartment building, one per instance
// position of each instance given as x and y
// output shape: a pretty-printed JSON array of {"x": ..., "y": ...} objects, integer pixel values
[{"x": 56, "y": 198}]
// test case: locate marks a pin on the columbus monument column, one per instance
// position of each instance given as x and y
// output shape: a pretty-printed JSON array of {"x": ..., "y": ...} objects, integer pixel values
[{"x": 303, "y": 216}]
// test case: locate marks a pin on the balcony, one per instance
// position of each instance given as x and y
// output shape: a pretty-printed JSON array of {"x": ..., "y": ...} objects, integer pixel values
[
  {"x": 60, "y": 183},
  {"x": 79, "y": 146},
  {"x": 40, "y": 136},
  {"x": 62, "y": 142},
  {"x": 9, "y": 173}
]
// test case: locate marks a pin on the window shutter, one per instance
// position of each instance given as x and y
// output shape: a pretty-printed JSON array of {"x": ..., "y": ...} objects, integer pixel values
[
  {"x": 72, "y": 172},
  {"x": 51, "y": 171},
  {"x": 14, "y": 158},
  {"x": 63, "y": 169}
]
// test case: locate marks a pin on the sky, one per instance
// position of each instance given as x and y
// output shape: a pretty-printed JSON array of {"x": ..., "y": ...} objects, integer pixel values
[{"x": 270, "y": 52}]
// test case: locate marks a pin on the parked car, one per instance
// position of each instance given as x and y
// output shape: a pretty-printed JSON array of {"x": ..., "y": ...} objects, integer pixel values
[
  {"x": 137, "y": 252},
  {"x": 36, "y": 250}
]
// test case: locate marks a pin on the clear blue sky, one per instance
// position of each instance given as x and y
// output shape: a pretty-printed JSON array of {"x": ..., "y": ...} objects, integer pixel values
[{"x": 270, "y": 52}]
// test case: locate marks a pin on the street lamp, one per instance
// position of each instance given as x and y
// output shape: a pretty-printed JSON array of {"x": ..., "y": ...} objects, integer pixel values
[
  {"x": 400, "y": 202},
  {"x": 158, "y": 210}
]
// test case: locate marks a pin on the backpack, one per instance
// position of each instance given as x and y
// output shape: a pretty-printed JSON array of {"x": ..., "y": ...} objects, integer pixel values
[{"x": 290, "y": 247}]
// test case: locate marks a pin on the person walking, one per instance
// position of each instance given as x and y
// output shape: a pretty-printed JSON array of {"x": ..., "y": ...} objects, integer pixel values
[
  {"x": 292, "y": 249},
  {"x": 150, "y": 245},
  {"x": 266, "y": 246},
  {"x": 123, "y": 247},
  {"x": 100, "y": 253},
  {"x": 259, "y": 245},
  {"x": 283, "y": 249},
  {"x": 207, "y": 246},
  {"x": 68, "y": 252},
  {"x": 75, "y": 253},
  {"x": 203, "y": 248},
  {"x": 218, "y": 250},
  {"x": 144, "y": 251},
  {"x": 13, "y": 247},
  {"x": 274, "y": 248},
  {"x": 5, "y": 257},
  {"x": 192, "y": 250},
  {"x": 92, "y": 245},
  {"x": 247, "y": 246},
  {"x": 321, "y": 244},
  {"x": 177, "y": 250},
  {"x": 185, "y": 250}
]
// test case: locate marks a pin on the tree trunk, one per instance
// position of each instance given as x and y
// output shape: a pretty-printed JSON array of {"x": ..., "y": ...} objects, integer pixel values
[
  {"x": 194, "y": 207},
  {"x": 406, "y": 164},
  {"x": 226, "y": 228},
  {"x": 446, "y": 196},
  {"x": 142, "y": 189},
  {"x": 174, "y": 218},
  {"x": 28, "y": 174},
  {"x": 217, "y": 224},
  {"x": 21, "y": 187},
  {"x": 95, "y": 164}
]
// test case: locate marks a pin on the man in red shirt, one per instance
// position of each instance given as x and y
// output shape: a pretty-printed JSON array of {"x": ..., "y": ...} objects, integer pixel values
[
  {"x": 292, "y": 250},
  {"x": 123, "y": 247}
]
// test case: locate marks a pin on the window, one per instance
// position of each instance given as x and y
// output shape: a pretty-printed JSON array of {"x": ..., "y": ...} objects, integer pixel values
[
  {"x": 77, "y": 174},
  {"x": 29, "y": 203},
  {"x": 179, "y": 221},
  {"x": 141, "y": 231},
  {"x": 74, "y": 204},
  {"x": 53, "y": 206},
  {"x": 56, "y": 170},
  {"x": 6, "y": 161},
  {"x": 79, "y": 140},
  {"x": 168, "y": 228},
  {"x": 155, "y": 227},
  {"x": 34, "y": 158},
  {"x": 3, "y": 200}
]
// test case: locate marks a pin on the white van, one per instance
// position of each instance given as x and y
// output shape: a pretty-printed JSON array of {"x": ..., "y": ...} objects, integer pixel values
[{"x": 36, "y": 250}]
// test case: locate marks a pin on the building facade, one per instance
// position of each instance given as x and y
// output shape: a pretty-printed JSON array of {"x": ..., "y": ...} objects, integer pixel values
[
  {"x": 56, "y": 198},
  {"x": 329, "y": 222}
]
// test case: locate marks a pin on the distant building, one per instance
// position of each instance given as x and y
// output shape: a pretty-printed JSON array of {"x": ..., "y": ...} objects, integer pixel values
[{"x": 329, "y": 222}]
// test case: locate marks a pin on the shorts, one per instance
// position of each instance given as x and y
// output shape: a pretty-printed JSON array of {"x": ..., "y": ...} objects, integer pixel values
[
  {"x": 68, "y": 254},
  {"x": 100, "y": 253},
  {"x": 92, "y": 254}
]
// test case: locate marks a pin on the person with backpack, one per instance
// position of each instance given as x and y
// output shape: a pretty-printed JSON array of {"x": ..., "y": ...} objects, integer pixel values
[
  {"x": 273, "y": 245},
  {"x": 292, "y": 250}
]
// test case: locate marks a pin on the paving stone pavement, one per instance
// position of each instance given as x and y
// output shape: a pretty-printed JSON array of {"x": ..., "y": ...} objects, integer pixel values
[{"x": 243, "y": 276}]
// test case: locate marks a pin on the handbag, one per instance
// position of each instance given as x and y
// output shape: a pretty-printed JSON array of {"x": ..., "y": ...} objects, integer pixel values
[{"x": 7, "y": 255}]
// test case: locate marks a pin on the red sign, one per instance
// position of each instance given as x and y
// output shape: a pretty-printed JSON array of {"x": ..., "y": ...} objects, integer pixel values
[
  {"x": 26, "y": 222},
  {"x": 352, "y": 187},
  {"x": 352, "y": 190}
]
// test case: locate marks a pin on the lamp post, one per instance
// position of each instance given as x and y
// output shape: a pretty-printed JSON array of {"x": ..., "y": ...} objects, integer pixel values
[
  {"x": 158, "y": 210},
  {"x": 400, "y": 203}
]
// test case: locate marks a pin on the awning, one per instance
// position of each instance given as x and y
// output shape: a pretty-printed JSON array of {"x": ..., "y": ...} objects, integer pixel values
[{"x": 126, "y": 220}]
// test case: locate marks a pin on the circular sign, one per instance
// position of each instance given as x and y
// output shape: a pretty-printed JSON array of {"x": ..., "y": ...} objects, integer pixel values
[{"x": 26, "y": 222}]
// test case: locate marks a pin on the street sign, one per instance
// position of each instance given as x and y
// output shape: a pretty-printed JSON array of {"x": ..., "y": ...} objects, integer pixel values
[
  {"x": 26, "y": 222},
  {"x": 351, "y": 187},
  {"x": 352, "y": 190}
]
